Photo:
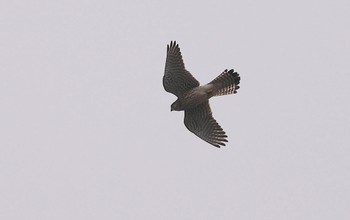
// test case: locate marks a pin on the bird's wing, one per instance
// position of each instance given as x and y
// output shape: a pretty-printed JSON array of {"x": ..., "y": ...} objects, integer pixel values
[
  {"x": 177, "y": 79},
  {"x": 200, "y": 121}
]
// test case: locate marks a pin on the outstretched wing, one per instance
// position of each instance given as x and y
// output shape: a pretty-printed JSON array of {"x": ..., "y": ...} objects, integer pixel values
[
  {"x": 177, "y": 79},
  {"x": 200, "y": 121}
]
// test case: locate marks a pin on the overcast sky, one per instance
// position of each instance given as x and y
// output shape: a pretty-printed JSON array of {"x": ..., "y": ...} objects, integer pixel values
[{"x": 86, "y": 130}]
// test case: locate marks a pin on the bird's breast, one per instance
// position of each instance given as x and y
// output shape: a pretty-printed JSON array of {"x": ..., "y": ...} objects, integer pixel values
[{"x": 195, "y": 97}]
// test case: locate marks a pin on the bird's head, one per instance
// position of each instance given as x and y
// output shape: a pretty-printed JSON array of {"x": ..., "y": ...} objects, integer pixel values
[{"x": 176, "y": 106}]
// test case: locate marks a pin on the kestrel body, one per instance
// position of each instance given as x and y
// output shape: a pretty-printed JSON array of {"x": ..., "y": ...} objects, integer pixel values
[{"x": 194, "y": 99}]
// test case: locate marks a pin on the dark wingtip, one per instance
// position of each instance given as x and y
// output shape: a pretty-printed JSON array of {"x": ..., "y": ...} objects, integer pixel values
[
  {"x": 216, "y": 145},
  {"x": 219, "y": 144},
  {"x": 172, "y": 45}
]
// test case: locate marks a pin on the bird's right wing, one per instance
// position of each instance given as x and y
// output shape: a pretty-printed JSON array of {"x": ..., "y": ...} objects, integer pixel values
[
  {"x": 177, "y": 79},
  {"x": 200, "y": 121}
]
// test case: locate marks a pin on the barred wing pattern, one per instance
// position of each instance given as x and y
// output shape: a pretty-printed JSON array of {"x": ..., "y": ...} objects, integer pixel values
[
  {"x": 177, "y": 79},
  {"x": 200, "y": 121}
]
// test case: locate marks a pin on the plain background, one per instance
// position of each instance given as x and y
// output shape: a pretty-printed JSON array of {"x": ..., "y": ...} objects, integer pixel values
[{"x": 86, "y": 130}]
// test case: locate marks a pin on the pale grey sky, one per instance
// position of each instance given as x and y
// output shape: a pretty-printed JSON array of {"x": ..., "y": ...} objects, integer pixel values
[{"x": 86, "y": 128}]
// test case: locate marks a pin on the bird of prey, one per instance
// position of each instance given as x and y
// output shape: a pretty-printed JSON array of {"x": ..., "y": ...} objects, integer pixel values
[{"x": 194, "y": 99}]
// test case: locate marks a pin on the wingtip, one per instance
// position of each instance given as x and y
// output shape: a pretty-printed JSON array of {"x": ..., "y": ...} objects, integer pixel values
[
  {"x": 219, "y": 144},
  {"x": 216, "y": 145},
  {"x": 173, "y": 44}
]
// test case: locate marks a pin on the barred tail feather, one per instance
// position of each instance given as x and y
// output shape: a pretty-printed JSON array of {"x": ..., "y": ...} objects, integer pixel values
[{"x": 226, "y": 83}]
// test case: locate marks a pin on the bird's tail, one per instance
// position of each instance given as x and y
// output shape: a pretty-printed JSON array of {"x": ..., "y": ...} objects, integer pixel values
[{"x": 226, "y": 83}]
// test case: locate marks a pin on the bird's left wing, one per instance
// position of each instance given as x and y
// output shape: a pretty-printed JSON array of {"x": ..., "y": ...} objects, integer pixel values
[{"x": 200, "y": 121}]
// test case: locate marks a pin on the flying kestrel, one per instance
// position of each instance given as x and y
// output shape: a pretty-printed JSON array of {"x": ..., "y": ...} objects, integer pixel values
[{"x": 194, "y": 99}]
